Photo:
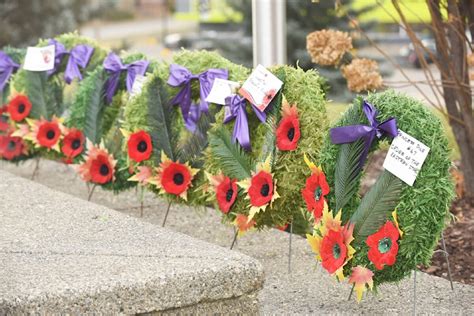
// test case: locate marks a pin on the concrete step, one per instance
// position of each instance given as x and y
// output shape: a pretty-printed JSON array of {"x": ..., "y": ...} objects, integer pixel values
[
  {"x": 61, "y": 254},
  {"x": 307, "y": 290}
]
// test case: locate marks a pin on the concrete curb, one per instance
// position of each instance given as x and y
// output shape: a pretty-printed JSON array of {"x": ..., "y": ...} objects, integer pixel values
[{"x": 62, "y": 254}]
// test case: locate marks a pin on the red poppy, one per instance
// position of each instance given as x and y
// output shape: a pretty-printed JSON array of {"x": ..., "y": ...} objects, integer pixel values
[
  {"x": 226, "y": 193},
  {"x": 314, "y": 192},
  {"x": 288, "y": 131},
  {"x": 73, "y": 143},
  {"x": 48, "y": 134},
  {"x": 19, "y": 108},
  {"x": 333, "y": 250},
  {"x": 101, "y": 169},
  {"x": 4, "y": 125},
  {"x": 139, "y": 146},
  {"x": 11, "y": 147},
  {"x": 383, "y": 246},
  {"x": 175, "y": 178},
  {"x": 261, "y": 189}
]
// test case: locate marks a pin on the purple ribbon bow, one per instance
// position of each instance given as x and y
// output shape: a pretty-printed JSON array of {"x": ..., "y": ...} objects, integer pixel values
[
  {"x": 349, "y": 134},
  {"x": 181, "y": 76},
  {"x": 235, "y": 108},
  {"x": 113, "y": 65},
  {"x": 7, "y": 68},
  {"x": 79, "y": 56}
]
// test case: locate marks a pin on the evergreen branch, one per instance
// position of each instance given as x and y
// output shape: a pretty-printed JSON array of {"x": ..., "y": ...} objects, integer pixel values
[
  {"x": 376, "y": 205},
  {"x": 232, "y": 159}
]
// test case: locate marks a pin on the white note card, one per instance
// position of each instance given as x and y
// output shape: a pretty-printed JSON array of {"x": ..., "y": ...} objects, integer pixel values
[
  {"x": 39, "y": 58},
  {"x": 261, "y": 87},
  {"x": 221, "y": 89},
  {"x": 138, "y": 85},
  {"x": 405, "y": 157}
]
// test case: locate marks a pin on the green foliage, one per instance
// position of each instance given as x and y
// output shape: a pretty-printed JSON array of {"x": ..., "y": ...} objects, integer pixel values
[
  {"x": 376, "y": 206},
  {"x": 88, "y": 107},
  {"x": 421, "y": 208},
  {"x": 161, "y": 116},
  {"x": 348, "y": 171},
  {"x": 230, "y": 157}
]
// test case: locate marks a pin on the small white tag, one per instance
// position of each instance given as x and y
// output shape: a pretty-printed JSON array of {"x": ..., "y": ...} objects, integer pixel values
[
  {"x": 405, "y": 157},
  {"x": 261, "y": 87},
  {"x": 138, "y": 85},
  {"x": 221, "y": 89},
  {"x": 39, "y": 58}
]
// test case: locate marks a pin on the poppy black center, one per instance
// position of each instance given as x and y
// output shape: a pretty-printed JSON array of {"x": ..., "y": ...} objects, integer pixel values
[
  {"x": 11, "y": 146},
  {"x": 385, "y": 244},
  {"x": 142, "y": 146},
  {"x": 228, "y": 195},
  {"x": 50, "y": 134},
  {"x": 104, "y": 169},
  {"x": 336, "y": 251},
  {"x": 178, "y": 178},
  {"x": 265, "y": 189},
  {"x": 317, "y": 193},
  {"x": 76, "y": 144},
  {"x": 21, "y": 108},
  {"x": 291, "y": 134}
]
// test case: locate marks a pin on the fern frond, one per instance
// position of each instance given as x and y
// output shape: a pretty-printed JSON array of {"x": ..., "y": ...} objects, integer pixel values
[
  {"x": 347, "y": 172},
  {"x": 192, "y": 148},
  {"x": 377, "y": 205},
  {"x": 46, "y": 95},
  {"x": 161, "y": 116},
  {"x": 269, "y": 145},
  {"x": 35, "y": 86},
  {"x": 232, "y": 159}
]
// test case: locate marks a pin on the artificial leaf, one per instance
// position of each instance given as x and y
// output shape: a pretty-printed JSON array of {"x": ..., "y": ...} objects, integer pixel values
[
  {"x": 347, "y": 173},
  {"x": 377, "y": 205},
  {"x": 161, "y": 116},
  {"x": 233, "y": 160}
]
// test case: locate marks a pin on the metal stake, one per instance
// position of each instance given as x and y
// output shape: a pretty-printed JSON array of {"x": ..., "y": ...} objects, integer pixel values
[
  {"x": 91, "y": 192},
  {"x": 350, "y": 294},
  {"x": 235, "y": 238},
  {"x": 446, "y": 255},
  {"x": 35, "y": 171},
  {"x": 289, "y": 248},
  {"x": 166, "y": 215}
]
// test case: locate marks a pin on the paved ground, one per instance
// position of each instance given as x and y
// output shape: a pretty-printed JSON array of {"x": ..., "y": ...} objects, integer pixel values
[
  {"x": 306, "y": 290},
  {"x": 66, "y": 255}
]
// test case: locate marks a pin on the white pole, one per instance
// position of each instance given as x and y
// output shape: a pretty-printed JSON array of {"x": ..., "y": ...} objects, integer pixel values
[{"x": 269, "y": 32}]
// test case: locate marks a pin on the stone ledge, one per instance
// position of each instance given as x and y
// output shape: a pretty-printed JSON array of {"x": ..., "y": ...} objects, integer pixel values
[{"x": 62, "y": 254}]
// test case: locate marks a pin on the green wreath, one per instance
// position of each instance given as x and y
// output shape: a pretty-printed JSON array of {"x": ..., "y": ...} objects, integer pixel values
[
  {"x": 101, "y": 123},
  {"x": 421, "y": 209},
  {"x": 49, "y": 95},
  {"x": 303, "y": 90}
]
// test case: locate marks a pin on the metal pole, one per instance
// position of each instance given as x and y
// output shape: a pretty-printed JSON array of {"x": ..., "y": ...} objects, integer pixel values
[{"x": 269, "y": 32}]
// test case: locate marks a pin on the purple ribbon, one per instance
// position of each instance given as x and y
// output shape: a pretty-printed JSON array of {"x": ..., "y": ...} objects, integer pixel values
[
  {"x": 181, "y": 76},
  {"x": 349, "y": 134},
  {"x": 113, "y": 65},
  {"x": 79, "y": 56},
  {"x": 235, "y": 107},
  {"x": 7, "y": 68}
]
